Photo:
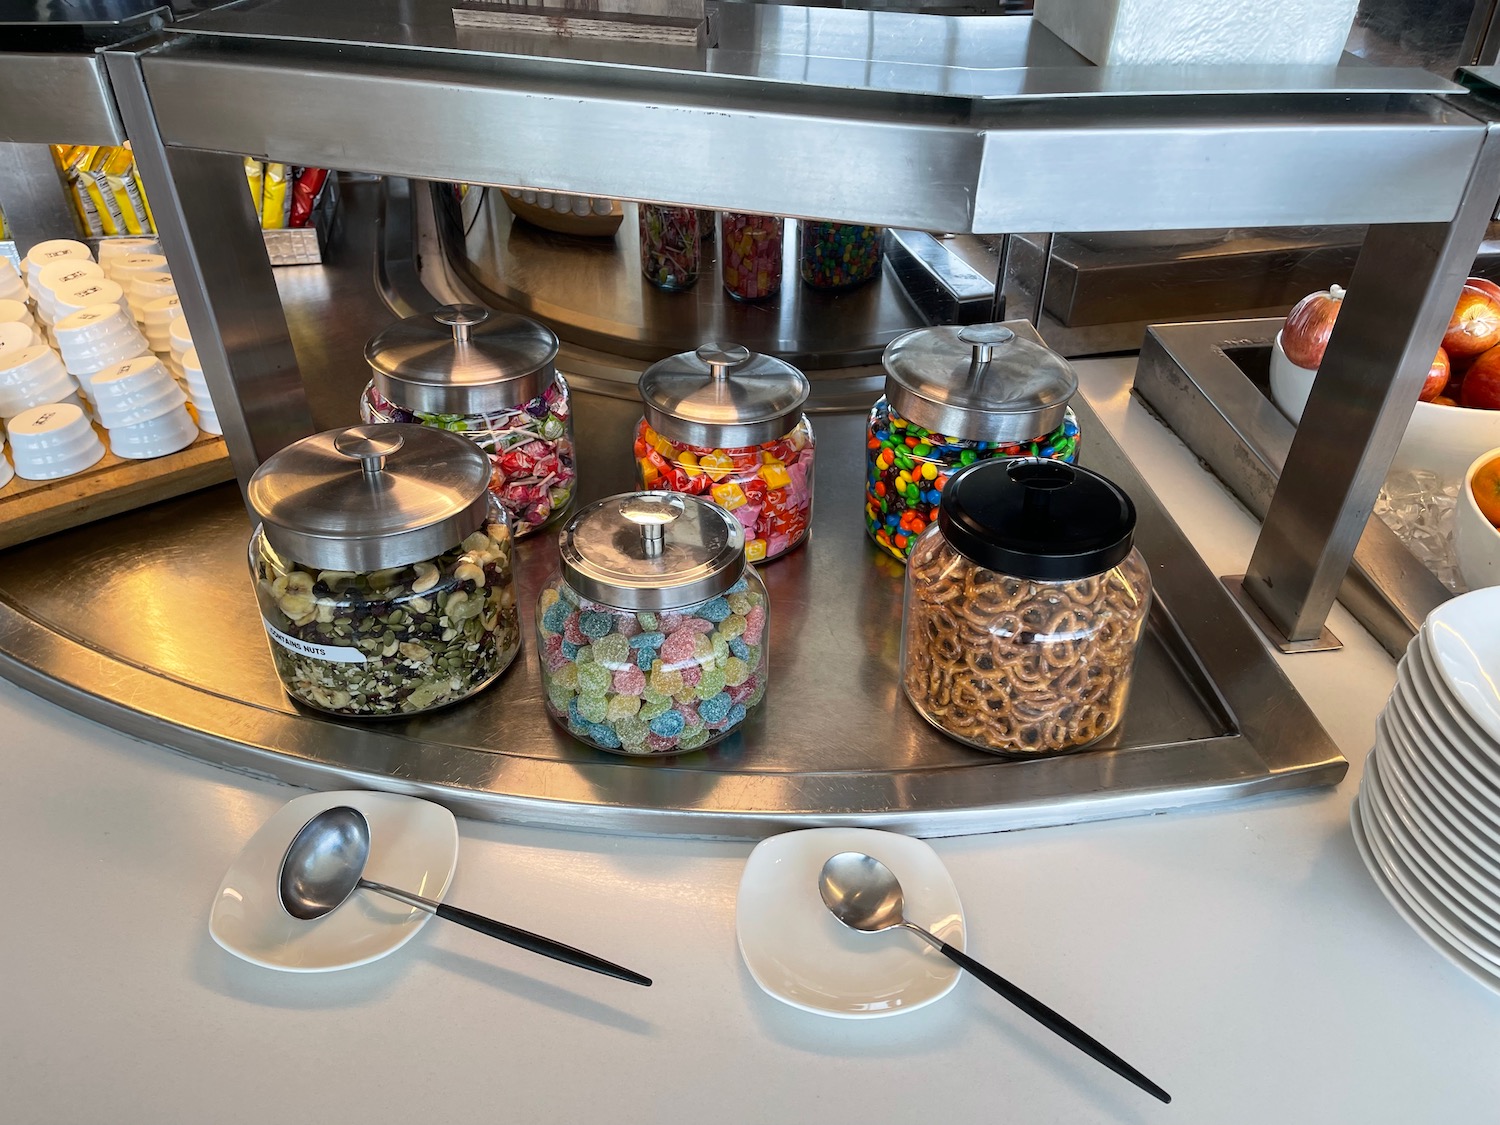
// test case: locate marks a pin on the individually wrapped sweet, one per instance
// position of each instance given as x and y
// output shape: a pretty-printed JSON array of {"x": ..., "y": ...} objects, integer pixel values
[
  {"x": 671, "y": 251},
  {"x": 750, "y": 255}
]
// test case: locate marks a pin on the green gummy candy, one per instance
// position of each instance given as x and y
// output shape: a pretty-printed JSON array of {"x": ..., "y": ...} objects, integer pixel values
[
  {"x": 710, "y": 683},
  {"x": 739, "y": 603},
  {"x": 559, "y": 696},
  {"x": 654, "y": 706},
  {"x": 567, "y": 676},
  {"x": 732, "y": 626},
  {"x": 593, "y": 679},
  {"x": 693, "y": 738},
  {"x": 593, "y": 708},
  {"x": 622, "y": 706},
  {"x": 721, "y": 649},
  {"x": 631, "y": 729},
  {"x": 736, "y": 671},
  {"x": 612, "y": 650}
]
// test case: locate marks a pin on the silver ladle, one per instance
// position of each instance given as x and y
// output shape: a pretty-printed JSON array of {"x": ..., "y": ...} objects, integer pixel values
[
  {"x": 325, "y": 863},
  {"x": 864, "y": 894}
]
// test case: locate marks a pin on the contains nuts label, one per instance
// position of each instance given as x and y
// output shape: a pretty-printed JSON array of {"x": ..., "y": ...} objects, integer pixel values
[{"x": 340, "y": 654}]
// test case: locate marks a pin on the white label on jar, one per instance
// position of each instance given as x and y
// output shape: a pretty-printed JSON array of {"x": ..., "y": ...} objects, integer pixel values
[{"x": 339, "y": 654}]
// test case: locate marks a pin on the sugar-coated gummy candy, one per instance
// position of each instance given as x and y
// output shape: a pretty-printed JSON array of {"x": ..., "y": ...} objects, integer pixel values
[
  {"x": 631, "y": 729},
  {"x": 738, "y": 603},
  {"x": 715, "y": 610},
  {"x": 736, "y": 671},
  {"x": 690, "y": 675},
  {"x": 630, "y": 681},
  {"x": 736, "y": 714},
  {"x": 711, "y": 682},
  {"x": 692, "y": 739},
  {"x": 548, "y": 598},
  {"x": 668, "y": 724},
  {"x": 715, "y": 709},
  {"x": 654, "y": 706},
  {"x": 719, "y": 646},
  {"x": 567, "y": 676},
  {"x": 596, "y": 623},
  {"x": 619, "y": 706},
  {"x": 645, "y": 658},
  {"x": 678, "y": 647},
  {"x": 612, "y": 650},
  {"x": 573, "y": 629},
  {"x": 593, "y": 708},
  {"x": 604, "y": 735},
  {"x": 570, "y": 650},
  {"x": 659, "y": 744},
  {"x": 555, "y": 615},
  {"x": 649, "y": 641},
  {"x": 593, "y": 679},
  {"x": 648, "y": 620}
]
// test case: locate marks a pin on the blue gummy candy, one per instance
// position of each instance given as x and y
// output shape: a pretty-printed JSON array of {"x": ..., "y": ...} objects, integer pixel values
[
  {"x": 555, "y": 617},
  {"x": 715, "y": 610},
  {"x": 574, "y": 717},
  {"x": 740, "y": 587},
  {"x": 604, "y": 735},
  {"x": 736, "y": 715},
  {"x": 669, "y": 724},
  {"x": 644, "y": 659},
  {"x": 595, "y": 624},
  {"x": 738, "y": 647},
  {"x": 715, "y": 708},
  {"x": 570, "y": 650},
  {"x": 647, "y": 640}
]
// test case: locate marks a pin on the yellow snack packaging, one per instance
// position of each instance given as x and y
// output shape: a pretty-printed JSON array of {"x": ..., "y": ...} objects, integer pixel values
[
  {"x": 119, "y": 178},
  {"x": 70, "y": 159},
  {"x": 274, "y": 208},
  {"x": 255, "y": 175}
]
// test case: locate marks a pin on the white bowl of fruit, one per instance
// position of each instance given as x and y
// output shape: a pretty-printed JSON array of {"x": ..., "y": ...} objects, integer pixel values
[
  {"x": 1458, "y": 415},
  {"x": 1476, "y": 523}
]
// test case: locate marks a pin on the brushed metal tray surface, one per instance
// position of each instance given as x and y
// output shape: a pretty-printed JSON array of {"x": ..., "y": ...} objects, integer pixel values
[{"x": 149, "y": 624}]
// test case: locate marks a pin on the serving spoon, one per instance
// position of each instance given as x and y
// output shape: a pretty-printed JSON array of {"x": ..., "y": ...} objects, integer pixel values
[
  {"x": 325, "y": 862},
  {"x": 864, "y": 894}
]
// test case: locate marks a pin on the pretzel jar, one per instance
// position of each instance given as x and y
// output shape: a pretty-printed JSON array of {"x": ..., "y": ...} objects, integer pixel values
[
  {"x": 1024, "y": 608},
  {"x": 653, "y": 635},
  {"x": 955, "y": 396},
  {"x": 726, "y": 424},
  {"x": 490, "y": 377}
]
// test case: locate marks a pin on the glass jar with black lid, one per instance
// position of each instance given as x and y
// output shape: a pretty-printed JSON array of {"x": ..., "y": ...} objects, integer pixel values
[{"x": 1024, "y": 609}]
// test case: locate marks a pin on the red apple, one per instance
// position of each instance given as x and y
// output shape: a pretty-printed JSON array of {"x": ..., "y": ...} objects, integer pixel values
[
  {"x": 1444, "y": 400},
  {"x": 1481, "y": 389},
  {"x": 1475, "y": 325},
  {"x": 1484, "y": 285},
  {"x": 1304, "y": 337},
  {"x": 1437, "y": 377}
]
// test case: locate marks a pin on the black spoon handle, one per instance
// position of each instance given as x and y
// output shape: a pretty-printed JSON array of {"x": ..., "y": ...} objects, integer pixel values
[
  {"x": 1054, "y": 1022},
  {"x": 538, "y": 944}
]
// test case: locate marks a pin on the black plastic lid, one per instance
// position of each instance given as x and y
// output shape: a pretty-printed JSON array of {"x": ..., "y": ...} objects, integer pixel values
[{"x": 1030, "y": 517}]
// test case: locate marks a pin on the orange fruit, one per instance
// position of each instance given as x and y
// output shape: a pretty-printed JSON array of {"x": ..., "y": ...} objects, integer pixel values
[{"x": 1486, "y": 486}]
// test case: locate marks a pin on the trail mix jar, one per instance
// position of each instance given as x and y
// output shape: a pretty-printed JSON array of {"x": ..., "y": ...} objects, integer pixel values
[
  {"x": 491, "y": 377},
  {"x": 653, "y": 635},
  {"x": 1025, "y": 606},
  {"x": 955, "y": 396},
  {"x": 838, "y": 255},
  {"x": 726, "y": 424},
  {"x": 671, "y": 248},
  {"x": 382, "y": 565}
]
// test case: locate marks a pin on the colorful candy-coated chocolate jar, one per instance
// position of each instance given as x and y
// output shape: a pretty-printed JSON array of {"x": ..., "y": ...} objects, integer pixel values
[
  {"x": 838, "y": 255},
  {"x": 955, "y": 396},
  {"x": 635, "y": 658},
  {"x": 491, "y": 378},
  {"x": 1025, "y": 607},
  {"x": 907, "y": 468},
  {"x": 671, "y": 249},
  {"x": 750, "y": 256},
  {"x": 767, "y": 487},
  {"x": 727, "y": 424}
]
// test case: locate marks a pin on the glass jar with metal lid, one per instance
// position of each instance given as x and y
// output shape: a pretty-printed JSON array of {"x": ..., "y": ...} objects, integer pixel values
[
  {"x": 653, "y": 636},
  {"x": 1025, "y": 607},
  {"x": 726, "y": 424},
  {"x": 491, "y": 377},
  {"x": 955, "y": 396},
  {"x": 382, "y": 565}
]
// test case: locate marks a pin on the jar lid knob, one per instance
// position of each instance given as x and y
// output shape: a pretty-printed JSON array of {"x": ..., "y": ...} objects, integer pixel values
[
  {"x": 651, "y": 512},
  {"x": 369, "y": 446},
  {"x": 985, "y": 338},
  {"x": 1040, "y": 477},
  {"x": 721, "y": 357},
  {"x": 461, "y": 318}
]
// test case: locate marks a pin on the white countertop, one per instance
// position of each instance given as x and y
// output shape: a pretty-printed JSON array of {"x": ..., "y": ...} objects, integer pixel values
[{"x": 1240, "y": 956}]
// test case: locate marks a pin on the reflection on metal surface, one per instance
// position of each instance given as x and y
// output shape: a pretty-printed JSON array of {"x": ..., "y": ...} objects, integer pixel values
[
  {"x": 149, "y": 623},
  {"x": 1209, "y": 383}
]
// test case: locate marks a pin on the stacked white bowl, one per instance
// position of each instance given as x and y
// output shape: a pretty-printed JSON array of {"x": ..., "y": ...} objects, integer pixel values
[
  {"x": 62, "y": 274},
  {"x": 156, "y": 322},
  {"x": 53, "y": 441},
  {"x": 12, "y": 288},
  {"x": 148, "y": 287},
  {"x": 111, "y": 250},
  {"x": 94, "y": 338},
  {"x": 1427, "y": 820},
  {"x": 124, "y": 269},
  {"x": 143, "y": 409},
  {"x": 182, "y": 342},
  {"x": 14, "y": 337},
  {"x": 31, "y": 377},
  {"x": 197, "y": 389},
  {"x": 45, "y": 253},
  {"x": 6, "y": 470},
  {"x": 82, "y": 295},
  {"x": 16, "y": 312}
]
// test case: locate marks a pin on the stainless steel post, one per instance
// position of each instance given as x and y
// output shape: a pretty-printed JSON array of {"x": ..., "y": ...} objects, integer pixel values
[
  {"x": 1400, "y": 298},
  {"x": 33, "y": 196},
  {"x": 212, "y": 238}
]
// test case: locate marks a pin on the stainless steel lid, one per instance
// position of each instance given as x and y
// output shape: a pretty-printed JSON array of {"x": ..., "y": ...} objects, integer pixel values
[
  {"x": 463, "y": 359},
  {"x": 651, "y": 551},
  {"x": 723, "y": 395},
  {"x": 980, "y": 382},
  {"x": 371, "y": 497}
]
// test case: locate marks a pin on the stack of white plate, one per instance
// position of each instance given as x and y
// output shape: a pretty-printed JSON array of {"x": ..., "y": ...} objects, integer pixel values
[{"x": 1427, "y": 820}]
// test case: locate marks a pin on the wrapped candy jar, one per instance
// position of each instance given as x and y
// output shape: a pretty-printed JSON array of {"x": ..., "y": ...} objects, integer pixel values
[
  {"x": 671, "y": 249},
  {"x": 838, "y": 255},
  {"x": 382, "y": 565},
  {"x": 653, "y": 635},
  {"x": 955, "y": 396},
  {"x": 491, "y": 377},
  {"x": 1025, "y": 606},
  {"x": 726, "y": 424},
  {"x": 750, "y": 256}
]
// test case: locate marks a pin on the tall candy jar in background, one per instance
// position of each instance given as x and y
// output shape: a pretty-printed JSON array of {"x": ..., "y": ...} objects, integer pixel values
[
  {"x": 838, "y": 255},
  {"x": 1025, "y": 605},
  {"x": 726, "y": 424},
  {"x": 953, "y": 397},
  {"x": 671, "y": 248},
  {"x": 382, "y": 565},
  {"x": 653, "y": 633},
  {"x": 750, "y": 255},
  {"x": 491, "y": 377}
]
